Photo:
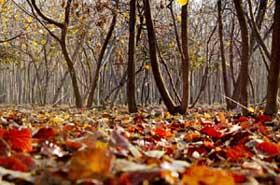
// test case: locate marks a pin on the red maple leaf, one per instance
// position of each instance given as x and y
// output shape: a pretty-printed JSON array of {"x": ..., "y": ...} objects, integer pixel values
[
  {"x": 19, "y": 139},
  {"x": 269, "y": 148},
  {"x": 238, "y": 152},
  {"x": 264, "y": 118},
  {"x": 45, "y": 133},
  {"x": 211, "y": 131},
  {"x": 13, "y": 163}
]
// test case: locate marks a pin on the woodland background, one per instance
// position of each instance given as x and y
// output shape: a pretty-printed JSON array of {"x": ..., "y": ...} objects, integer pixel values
[{"x": 37, "y": 53}]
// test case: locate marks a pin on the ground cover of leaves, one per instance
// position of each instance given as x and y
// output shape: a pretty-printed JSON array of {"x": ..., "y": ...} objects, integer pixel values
[{"x": 63, "y": 146}]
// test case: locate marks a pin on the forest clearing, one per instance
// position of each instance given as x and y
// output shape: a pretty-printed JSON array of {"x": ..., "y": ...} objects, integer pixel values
[{"x": 139, "y": 92}]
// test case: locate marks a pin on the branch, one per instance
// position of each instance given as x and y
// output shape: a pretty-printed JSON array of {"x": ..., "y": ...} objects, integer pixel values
[
  {"x": 10, "y": 39},
  {"x": 40, "y": 13}
]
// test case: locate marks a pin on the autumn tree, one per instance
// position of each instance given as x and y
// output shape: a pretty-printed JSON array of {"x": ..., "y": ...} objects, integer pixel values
[{"x": 63, "y": 27}]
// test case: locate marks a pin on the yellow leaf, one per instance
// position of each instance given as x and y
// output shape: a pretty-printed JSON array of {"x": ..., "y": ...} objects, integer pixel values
[
  {"x": 251, "y": 109},
  {"x": 183, "y": 2},
  {"x": 91, "y": 163},
  {"x": 204, "y": 175},
  {"x": 2, "y": 1}
]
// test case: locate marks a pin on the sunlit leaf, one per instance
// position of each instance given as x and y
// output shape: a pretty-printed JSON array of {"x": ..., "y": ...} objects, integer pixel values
[
  {"x": 91, "y": 163},
  {"x": 197, "y": 175},
  {"x": 183, "y": 2}
]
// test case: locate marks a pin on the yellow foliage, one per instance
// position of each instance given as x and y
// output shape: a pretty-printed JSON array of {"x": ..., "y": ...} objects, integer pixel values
[{"x": 183, "y": 2}]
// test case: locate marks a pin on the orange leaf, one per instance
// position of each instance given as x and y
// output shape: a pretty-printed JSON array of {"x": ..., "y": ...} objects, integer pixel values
[
  {"x": 163, "y": 133},
  {"x": 196, "y": 175},
  {"x": 211, "y": 131},
  {"x": 19, "y": 139},
  {"x": 238, "y": 152},
  {"x": 91, "y": 163},
  {"x": 269, "y": 148}
]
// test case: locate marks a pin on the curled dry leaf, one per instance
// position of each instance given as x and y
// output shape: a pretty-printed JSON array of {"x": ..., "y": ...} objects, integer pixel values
[{"x": 91, "y": 163}]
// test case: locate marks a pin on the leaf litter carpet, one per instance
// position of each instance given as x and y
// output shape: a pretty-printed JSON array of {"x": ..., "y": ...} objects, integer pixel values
[{"x": 64, "y": 146}]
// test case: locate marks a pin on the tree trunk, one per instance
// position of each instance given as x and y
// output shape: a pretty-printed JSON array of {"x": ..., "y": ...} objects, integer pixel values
[
  {"x": 131, "y": 100},
  {"x": 242, "y": 82},
  {"x": 154, "y": 61},
  {"x": 222, "y": 50},
  {"x": 272, "y": 88},
  {"x": 185, "y": 59}
]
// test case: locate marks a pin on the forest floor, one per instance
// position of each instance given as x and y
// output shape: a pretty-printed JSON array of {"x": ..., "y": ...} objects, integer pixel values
[{"x": 49, "y": 146}]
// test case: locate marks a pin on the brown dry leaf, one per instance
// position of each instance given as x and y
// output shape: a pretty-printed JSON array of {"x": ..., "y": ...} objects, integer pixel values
[
  {"x": 91, "y": 163},
  {"x": 197, "y": 175}
]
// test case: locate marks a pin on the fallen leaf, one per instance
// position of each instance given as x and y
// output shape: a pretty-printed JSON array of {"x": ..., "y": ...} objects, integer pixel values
[
  {"x": 13, "y": 163},
  {"x": 238, "y": 152},
  {"x": 162, "y": 133},
  {"x": 269, "y": 148},
  {"x": 45, "y": 133},
  {"x": 5, "y": 149},
  {"x": 91, "y": 163},
  {"x": 197, "y": 175},
  {"x": 212, "y": 132},
  {"x": 19, "y": 139}
]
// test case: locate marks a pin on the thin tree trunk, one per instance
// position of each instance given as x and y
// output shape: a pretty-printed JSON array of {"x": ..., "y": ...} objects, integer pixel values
[
  {"x": 185, "y": 60},
  {"x": 154, "y": 61},
  {"x": 222, "y": 50},
  {"x": 99, "y": 61},
  {"x": 131, "y": 100}
]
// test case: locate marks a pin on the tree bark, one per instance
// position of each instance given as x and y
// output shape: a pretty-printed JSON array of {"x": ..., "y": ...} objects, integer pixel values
[
  {"x": 154, "y": 61},
  {"x": 131, "y": 100},
  {"x": 222, "y": 50},
  {"x": 242, "y": 82},
  {"x": 185, "y": 60},
  {"x": 273, "y": 77}
]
